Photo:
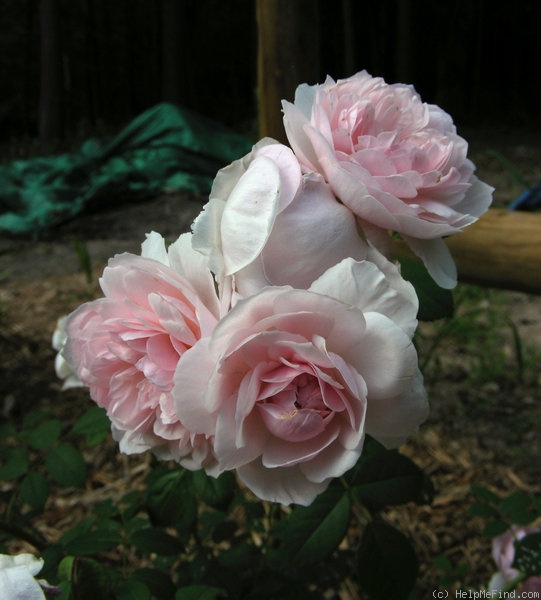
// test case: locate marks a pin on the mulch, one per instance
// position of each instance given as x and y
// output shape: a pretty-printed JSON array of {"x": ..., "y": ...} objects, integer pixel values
[{"x": 467, "y": 438}]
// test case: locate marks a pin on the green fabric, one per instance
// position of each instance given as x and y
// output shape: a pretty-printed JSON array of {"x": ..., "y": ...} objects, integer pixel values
[{"x": 165, "y": 148}]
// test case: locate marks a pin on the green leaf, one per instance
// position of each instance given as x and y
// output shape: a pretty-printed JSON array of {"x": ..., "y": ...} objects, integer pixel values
[
  {"x": 442, "y": 563},
  {"x": 170, "y": 500},
  {"x": 106, "y": 509},
  {"x": 495, "y": 527},
  {"x": 15, "y": 463},
  {"x": 94, "y": 424},
  {"x": 43, "y": 435},
  {"x": 7, "y": 430},
  {"x": 484, "y": 493},
  {"x": 434, "y": 301},
  {"x": 94, "y": 541},
  {"x": 215, "y": 492},
  {"x": 212, "y": 522},
  {"x": 239, "y": 556},
  {"x": 200, "y": 592},
  {"x": 83, "y": 255},
  {"x": 389, "y": 478},
  {"x": 65, "y": 590},
  {"x": 386, "y": 563},
  {"x": 90, "y": 580},
  {"x": 65, "y": 568},
  {"x": 52, "y": 555},
  {"x": 35, "y": 417},
  {"x": 310, "y": 533},
  {"x": 66, "y": 465},
  {"x": 132, "y": 590},
  {"x": 35, "y": 489},
  {"x": 155, "y": 539},
  {"x": 480, "y": 509},
  {"x": 519, "y": 508},
  {"x": 528, "y": 554},
  {"x": 159, "y": 583}
]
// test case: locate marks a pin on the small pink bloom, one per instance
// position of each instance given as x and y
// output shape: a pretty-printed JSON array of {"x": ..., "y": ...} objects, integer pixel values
[
  {"x": 503, "y": 552},
  {"x": 290, "y": 381},
  {"x": 395, "y": 161},
  {"x": 267, "y": 224},
  {"x": 125, "y": 347}
]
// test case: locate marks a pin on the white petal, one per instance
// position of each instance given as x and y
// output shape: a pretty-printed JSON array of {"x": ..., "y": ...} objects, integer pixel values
[
  {"x": 193, "y": 267},
  {"x": 385, "y": 357},
  {"x": 437, "y": 259},
  {"x": 296, "y": 255},
  {"x": 206, "y": 235},
  {"x": 249, "y": 214},
  {"x": 192, "y": 375},
  {"x": 333, "y": 462},
  {"x": 294, "y": 123},
  {"x": 285, "y": 485},
  {"x": 477, "y": 200},
  {"x": 392, "y": 420},
  {"x": 154, "y": 247},
  {"x": 17, "y": 577},
  {"x": 289, "y": 169},
  {"x": 364, "y": 286},
  {"x": 304, "y": 98}
]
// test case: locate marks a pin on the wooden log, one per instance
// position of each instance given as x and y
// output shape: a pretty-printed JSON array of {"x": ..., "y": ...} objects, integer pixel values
[
  {"x": 288, "y": 54},
  {"x": 502, "y": 250}
]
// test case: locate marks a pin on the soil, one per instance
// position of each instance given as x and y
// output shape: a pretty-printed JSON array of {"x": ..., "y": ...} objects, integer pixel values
[{"x": 483, "y": 427}]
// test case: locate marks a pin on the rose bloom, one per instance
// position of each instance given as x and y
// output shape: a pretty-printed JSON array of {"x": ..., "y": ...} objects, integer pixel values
[
  {"x": 395, "y": 161},
  {"x": 125, "y": 347},
  {"x": 290, "y": 381},
  {"x": 503, "y": 552},
  {"x": 267, "y": 224}
]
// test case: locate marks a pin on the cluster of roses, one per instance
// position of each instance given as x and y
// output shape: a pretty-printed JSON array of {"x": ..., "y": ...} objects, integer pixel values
[{"x": 276, "y": 335}]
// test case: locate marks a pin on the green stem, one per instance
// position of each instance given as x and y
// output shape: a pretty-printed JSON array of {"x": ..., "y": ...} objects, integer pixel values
[
  {"x": 32, "y": 536},
  {"x": 511, "y": 585},
  {"x": 359, "y": 510}
]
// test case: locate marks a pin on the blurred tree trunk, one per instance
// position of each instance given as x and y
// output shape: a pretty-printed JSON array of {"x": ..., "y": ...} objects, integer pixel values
[
  {"x": 404, "y": 45},
  {"x": 93, "y": 75},
  {"x": 288, "y": 54},
  {"x": 50, "y": 101},
  {"x": 349, "y": 45},
  {"x": 29, "y": 95},
  {"x": 171, "y": 14}
]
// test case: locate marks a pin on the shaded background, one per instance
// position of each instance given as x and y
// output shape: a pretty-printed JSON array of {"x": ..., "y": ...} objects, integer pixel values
[{"x": 72, "y": 67}]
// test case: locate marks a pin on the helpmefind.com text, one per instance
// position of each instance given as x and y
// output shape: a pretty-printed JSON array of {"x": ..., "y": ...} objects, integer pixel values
[{"x": 482, "y": 594}]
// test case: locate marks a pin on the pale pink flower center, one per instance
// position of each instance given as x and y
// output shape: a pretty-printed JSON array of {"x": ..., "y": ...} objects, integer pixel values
[{"x": 297, "y": 403}]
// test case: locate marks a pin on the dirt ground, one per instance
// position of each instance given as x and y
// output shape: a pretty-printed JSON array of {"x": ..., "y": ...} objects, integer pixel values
[{"x": 478, "y": 431}]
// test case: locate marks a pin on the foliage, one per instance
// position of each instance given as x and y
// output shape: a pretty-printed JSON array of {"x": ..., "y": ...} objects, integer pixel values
[
  {"x": 434, "y": 302},
  {"x": 499, "y": 514},
  {"x": 480, "y": 319},
  {"x": 187, "y": 535}
]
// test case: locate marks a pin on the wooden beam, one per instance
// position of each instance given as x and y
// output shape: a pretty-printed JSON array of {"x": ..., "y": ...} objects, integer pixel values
[
  {"x": 502, "y": 250},
  {"x": 288, "y": 54}
]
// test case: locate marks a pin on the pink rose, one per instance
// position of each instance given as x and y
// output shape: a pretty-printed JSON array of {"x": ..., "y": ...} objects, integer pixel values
[
  {"x": 503, "y": 552},
  {"x": 395, "y": 161},
  {"x": 125, "y": 347},
  {"x": 290, "y": 381},
  {"x": 267, "y": 224}
]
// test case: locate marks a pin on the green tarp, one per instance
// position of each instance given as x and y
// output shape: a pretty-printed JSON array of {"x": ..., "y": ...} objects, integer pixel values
[{"x": 165, "y": 148}]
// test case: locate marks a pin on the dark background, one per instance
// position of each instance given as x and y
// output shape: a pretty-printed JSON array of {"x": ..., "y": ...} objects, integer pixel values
[{"x": 89, "y": 66}]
